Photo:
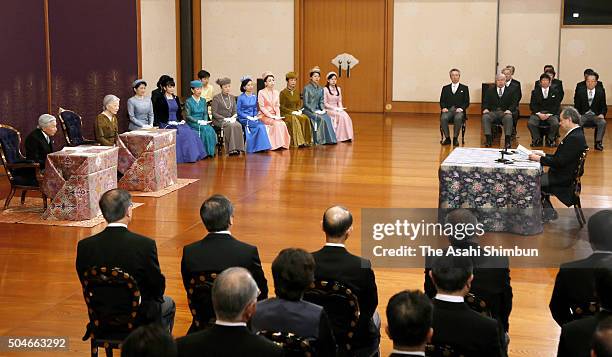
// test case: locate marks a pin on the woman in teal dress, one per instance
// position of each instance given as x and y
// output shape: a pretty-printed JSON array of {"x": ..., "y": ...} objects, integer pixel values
[
  {"x": 314, "y": 108},
  {"x": 197, "y": 117}
]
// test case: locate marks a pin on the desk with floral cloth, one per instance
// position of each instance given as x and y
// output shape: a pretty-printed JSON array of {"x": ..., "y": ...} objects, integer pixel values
[{"x": 506, "y": 196}]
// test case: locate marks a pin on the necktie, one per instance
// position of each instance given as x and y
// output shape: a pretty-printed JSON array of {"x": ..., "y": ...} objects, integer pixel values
[
  {"x": 499, "y": 92},
  {"x": 591, "y": 97},
  {"x": 545, "y": 93}
]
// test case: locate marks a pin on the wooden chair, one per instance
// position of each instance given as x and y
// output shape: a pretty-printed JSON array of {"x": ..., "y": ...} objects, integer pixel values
[
  {"x": 293, "y": 345},
  {"x": 199, "y": 298},
  {"x": 478, "y": 304},
  {"x": 72, "y": 127},
  {"x": 22, "y": 174},
  {"x": 342, "y": 307},
  {"x": 462, "y": 130},
  {"x": 113, "y": 300},
  {"x": 220, "y": 139}
]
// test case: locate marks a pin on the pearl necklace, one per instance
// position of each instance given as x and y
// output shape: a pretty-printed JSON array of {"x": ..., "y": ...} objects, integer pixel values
[{"x": 227, "y": 106}]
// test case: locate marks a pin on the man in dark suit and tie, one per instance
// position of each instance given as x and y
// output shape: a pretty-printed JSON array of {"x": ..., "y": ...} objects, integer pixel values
[
  {"x": 577, "y": 336},
  {"x": 545, "y": 108},
  {"x": 575, "y": 280},
  {"x": 117, "y": 247},
  {"x": 499, "y": 103},
  {"x": 334, "y": 262},
  {"x": 454, "y": 323},
  {"x": 454, "y": 101},
  {"x": 219, "y": 250},
  {"x": 555, "y": 83},
  {"x": 234, "y": 297},
  {"x": 409, "y": 320},
  {"x": 512, "y": 82},
  {"x": 582, "y": 85},
  {"x": 590, "y": 102},
  {"x": 40, "y": 141},
  {"x": 563, "y": 163}
]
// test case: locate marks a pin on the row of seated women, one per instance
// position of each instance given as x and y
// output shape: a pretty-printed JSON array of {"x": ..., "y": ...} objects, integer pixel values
[{"x": 268, "y": 120}]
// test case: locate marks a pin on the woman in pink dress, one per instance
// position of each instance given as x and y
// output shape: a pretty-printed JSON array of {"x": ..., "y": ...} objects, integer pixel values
[
  {"x": 269, "y": 110},
  {"x": 343, "y": 125}
]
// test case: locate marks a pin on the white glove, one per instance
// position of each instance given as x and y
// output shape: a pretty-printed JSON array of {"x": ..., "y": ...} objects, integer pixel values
[
  {"x": 296, "y": 112},
  {"x": 252, "y": 118},
  {"x": 339, "y": 109},
  {"x": 182, "y": 122},
  {"x": 320, "y": 112},
  {"x": 202, "y": 122},
  {"x": 147, "y": 126},
  {"x": 227, "y": 120},
  {"x": 173, "y": 122}
]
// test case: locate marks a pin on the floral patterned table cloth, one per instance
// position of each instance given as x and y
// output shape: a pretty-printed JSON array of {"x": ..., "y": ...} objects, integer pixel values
[
  {"x": 506, "y": 197},
  {"x": 147, "y": 159},
  {"x": 75, "y": 178}
]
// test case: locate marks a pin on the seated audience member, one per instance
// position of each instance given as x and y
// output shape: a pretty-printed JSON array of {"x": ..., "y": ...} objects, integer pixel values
[
  {"x": 322, "y": 126},
  {"x": 491, "y": 274},
  {"x": 555, "y": 83},
  {"x": 508, "y": 71},
  {"x": 332, "y": 99},
  {"x": 563, "y": 163},
  {"x": 454, "y": 323},
  {"x": 575, "y": 280},
  {"x": 454, "y": 101},
  {"x": 334, "y": 262},
  {"x": 293, "y": 272},
  {"x": 590, "y": 102},
  {"x": 136, "y": 255},
  {"x": 234, "y": 297},
  {"x": 149, "y": 341},
  {"x": 298, "y": 124},
  {"x": 140, "y": 107},
  {"x": 106, "y": 125},
  {"x": 196, "y": 113},
  {"x": 582, "y": 85},
  {"x": 207, "y": 88},
  {"x": 255, "y": 131},
  {"x": 40, "y": 141},
  {"x": 223, "y": 108},
  {"x": 158, "y": 93},
  {"x": 268, "y": 100},
  {"x": 409, "y": 321},
  {"x": 219, "y": 250},
  {"x": 545, "y": 108},
  {"x": 602, "y": 339},
  {"x": 576, "y": 336},
  {"x": 499, "y": 103}
]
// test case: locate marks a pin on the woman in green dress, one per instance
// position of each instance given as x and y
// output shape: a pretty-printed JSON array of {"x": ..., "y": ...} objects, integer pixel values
[
  {"x": 290, "y": 107},
  {"x": 196, "y": 113}
]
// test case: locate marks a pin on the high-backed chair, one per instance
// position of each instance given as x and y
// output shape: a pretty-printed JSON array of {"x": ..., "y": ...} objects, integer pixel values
[
  {"x": 293, "y": 345},
  {"x": 199, "y": 297},
  {"x": 342, "y": 307},
  {"x": 22, "y": 174},
  {"x": 72, "y": 126},
  {"x": 113, "y": 300},
  {"x": 478, "y": 304},
  {"x": 586, "y": 309}
]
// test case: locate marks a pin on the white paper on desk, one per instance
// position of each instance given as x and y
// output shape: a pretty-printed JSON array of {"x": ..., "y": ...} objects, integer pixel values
[{"x": 524, "y": 151}]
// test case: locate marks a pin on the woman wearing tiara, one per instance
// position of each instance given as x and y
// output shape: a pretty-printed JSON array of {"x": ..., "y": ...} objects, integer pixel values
[
  {"x": 315, "y": 110},
  {"x": 254, "y": 129},
  {"x": 343, "y": 125},
  {"x": 223, "y": 106},
  {"x": 269, "y": 108}
]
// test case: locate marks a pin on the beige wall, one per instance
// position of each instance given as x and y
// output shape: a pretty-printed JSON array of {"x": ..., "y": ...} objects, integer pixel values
[
  {"x": 431, "y": 37},
  {"x": 158, "y": 35},
  {"x": 247, "y": 37}
]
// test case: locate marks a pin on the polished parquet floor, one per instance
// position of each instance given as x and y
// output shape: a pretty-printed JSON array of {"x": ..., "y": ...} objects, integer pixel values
[{"x": 279, "y": 198}]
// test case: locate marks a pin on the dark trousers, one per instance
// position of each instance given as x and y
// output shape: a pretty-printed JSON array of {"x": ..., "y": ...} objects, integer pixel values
[
  {"x": 454, "y": 117},
  {"x": 535, "y": 122},
  {"x": 497, "y": 117},
  {"x": 168, "y": 309},
  {"x": 591, "y": 120}
]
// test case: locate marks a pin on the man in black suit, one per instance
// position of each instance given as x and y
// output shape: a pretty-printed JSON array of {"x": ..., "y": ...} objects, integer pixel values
[
  {"x": 555, "y": 83},
  {"x": 334, "y": 262},
  {"x": 454, "y": 323},
  {"x": 582, "y": 85},
  {"x": 39, "y": 143},
  {"x": 499, "y": 103},
  {"x": 590, "y": 102},
  {"x": 563, "y": 163},
  {"x": 577, "y": 336},
  {"x": 409, "y": 320},
  {"x": 602, "y": 339},
  {"x": 219, "y": 250},
  {"x": 491, "y": 274},
  {"x": 454, "y": 100},
  {"x": 293, "y": 272},
  {"x": 117, "y": 247},
  {"x": 545, "y": 108},
  {"x": 234, "y": 297},
  {"x": 575, "y": 280}
]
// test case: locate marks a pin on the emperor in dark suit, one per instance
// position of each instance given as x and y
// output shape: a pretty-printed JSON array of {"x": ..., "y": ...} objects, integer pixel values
[
  {"x": 545, "y": 107},
  {"x": 499, "y": 104},
  {"x": 590, "y": 102},
  {"x": 454, "y": 101},
  {"x": 40, "y": 141}
]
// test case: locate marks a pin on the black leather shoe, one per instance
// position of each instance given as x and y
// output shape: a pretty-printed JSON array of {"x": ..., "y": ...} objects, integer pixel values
[
  {"x": 446, "y": 141},
  {"x": 599, "y": 146},
  {"x": 455, "y": 142}
]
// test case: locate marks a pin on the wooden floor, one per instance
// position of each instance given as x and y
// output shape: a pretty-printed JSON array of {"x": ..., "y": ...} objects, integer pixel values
[{"x": 279, "y": 199}]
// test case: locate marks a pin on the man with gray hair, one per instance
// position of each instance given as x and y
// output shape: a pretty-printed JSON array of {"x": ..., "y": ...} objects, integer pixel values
[
  {"x": 234, "y": 297},
  {"x": 498, "y": 105},
  {"x": 40, "y": 143},
  {"x": 563, "y": 163}
]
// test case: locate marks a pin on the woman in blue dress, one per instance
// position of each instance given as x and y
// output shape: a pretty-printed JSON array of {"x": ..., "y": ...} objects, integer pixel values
[
  {"x": 167, "y": 113},
  {"x": 254, "y": 130},
  {"x": 314, "y": 108},
  {"x": 196, "y": 112}
]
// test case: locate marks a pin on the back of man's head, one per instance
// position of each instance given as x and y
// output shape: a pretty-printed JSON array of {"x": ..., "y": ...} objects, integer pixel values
[
  {"x": 233, "y": 291},
  {"x": 149, "y": 341},
  {"x": 464, "y": 224},
  {"x": 600, "y": 226},
  {"x": 293, "y": 271},
  {"x": 602, "y": 339},
  {"x": 450, "y": 273},
  {"x": 337, "y": 221},
  {"x": 409, "y": 316},
  {"x": 603, "y": 285},
  {"x": 216, "y": 213},
  {"x": 115, "y": 204}
]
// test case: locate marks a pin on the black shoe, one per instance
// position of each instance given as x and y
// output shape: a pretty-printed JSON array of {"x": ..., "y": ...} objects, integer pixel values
[
  {"x": 537, "y": 142},
  {"x": 446, "y": 141},
  {"x": 551, "y": 143},
  {"x": 508, "y": 142},
  {"x": 455, "y": 142},
  {"x": 599, "y": 146},
  {"x": 488, "y": 141}
]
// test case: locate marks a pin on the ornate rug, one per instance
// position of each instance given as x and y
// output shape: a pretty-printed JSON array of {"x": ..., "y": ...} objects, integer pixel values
[{"x": 180, "y": 184}]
